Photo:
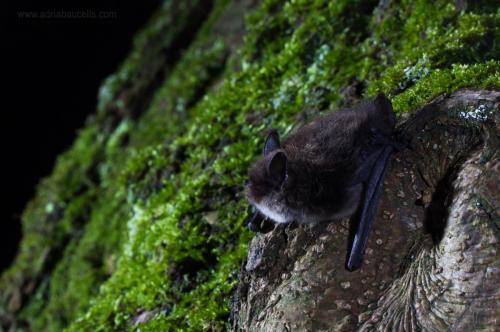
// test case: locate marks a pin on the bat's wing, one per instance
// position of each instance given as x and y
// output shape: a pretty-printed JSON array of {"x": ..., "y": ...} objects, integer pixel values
[{"x": 374, "y": 185}]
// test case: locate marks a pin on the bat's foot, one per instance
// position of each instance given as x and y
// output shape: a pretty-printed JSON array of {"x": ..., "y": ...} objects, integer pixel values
[
  {"x": 399, "y": 146},
  {"x": 259, "y": 224},
  {"x": 401, "y": 143},
  {"x": 253, "y": 227},
  {"x": 397, "y": 143}
]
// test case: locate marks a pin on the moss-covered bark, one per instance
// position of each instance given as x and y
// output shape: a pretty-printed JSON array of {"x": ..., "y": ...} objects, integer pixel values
[{"x": 142, "y": 222}]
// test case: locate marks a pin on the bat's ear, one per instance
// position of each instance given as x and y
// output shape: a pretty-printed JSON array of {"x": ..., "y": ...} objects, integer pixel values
[
  {"x": 277, "y": 167},
  {"x": 272, "y": 142},
  {"x": 383, "y": 102},
  {"x": 384, "y": 106}
]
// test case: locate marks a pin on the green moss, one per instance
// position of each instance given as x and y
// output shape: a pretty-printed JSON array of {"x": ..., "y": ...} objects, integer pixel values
[
  {"x": 483, "y": 75},
  {"x": 73, "y": 230},
  {"x": 152, "y": 51},
  {"x": 146, "y": 219}
]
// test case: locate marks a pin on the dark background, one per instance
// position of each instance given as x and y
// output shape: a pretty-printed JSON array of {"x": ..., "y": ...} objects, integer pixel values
[{"x": 51, "y": 71}]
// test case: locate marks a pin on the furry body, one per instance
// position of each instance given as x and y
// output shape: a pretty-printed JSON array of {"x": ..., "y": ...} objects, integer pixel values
[{"x": 324, "y": 170}]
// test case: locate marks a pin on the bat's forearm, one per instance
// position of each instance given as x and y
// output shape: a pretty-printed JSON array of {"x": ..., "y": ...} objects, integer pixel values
[{"x": 369, "y": 207}]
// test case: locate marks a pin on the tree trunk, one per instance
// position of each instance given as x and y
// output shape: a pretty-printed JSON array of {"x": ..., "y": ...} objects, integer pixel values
[
  {"x": 431, "y": 261},
  {"x": 142, "y": 223}
]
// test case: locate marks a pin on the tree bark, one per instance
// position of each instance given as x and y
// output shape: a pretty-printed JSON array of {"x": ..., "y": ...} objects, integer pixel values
[{"x": 431, "y": 261}]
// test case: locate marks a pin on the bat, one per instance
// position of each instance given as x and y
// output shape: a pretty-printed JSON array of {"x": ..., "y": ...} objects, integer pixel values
[{"x": 329, "y": 169}]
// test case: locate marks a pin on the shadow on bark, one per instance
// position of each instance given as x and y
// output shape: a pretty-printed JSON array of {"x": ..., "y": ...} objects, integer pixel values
[{"x": 431, "y": 262}]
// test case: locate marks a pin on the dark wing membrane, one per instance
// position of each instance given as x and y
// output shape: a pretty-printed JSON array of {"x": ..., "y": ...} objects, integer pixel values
[{"x": 373, "y": 190}]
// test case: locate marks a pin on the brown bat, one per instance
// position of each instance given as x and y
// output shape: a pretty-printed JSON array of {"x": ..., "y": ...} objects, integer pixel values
[{"x": 327, "y": 170}]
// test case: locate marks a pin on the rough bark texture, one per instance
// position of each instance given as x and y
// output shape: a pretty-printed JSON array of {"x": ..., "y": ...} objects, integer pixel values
[
  {"x": 142, "y": 223},
  {"x": 431, "y": 262}
]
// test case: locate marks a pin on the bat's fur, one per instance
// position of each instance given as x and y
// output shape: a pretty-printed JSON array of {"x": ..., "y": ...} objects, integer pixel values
[{"x": 319, "y": 172}]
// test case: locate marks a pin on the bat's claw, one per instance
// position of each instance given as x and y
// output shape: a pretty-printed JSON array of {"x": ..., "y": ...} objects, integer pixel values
[
  {"x": 253, "y": 227},
  {"x": 259, "y": 224}
]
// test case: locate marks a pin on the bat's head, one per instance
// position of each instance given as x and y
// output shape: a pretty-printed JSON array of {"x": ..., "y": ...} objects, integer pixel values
[
  {"x": 269, "y": 179},
  {"x": 286, "y": 184}
]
